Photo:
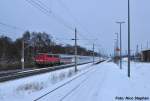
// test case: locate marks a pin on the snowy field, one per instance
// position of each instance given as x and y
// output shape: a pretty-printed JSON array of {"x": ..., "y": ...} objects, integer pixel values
[
  {"x": 102, "y": 82},
  {"x": 24, "y": 89}
]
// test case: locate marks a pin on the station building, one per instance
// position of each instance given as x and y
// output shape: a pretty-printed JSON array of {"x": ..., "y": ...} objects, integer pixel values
[{"x": 145, "y": 55}]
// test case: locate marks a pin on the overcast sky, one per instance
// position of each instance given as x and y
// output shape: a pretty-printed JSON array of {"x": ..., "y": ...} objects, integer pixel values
[{"x": 94, "y": 19}]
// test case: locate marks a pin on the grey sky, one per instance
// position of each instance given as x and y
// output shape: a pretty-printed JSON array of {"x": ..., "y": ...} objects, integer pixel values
[{"x": 98, "y": 17}]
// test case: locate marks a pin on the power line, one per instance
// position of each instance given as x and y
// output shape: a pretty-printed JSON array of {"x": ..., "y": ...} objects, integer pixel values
[
  {"x": 11, "y": 26},
  {"x": 44, "y": 9},
  {"x": 20, "y": 29},
  {"x": 74, "y": 18},
  {"x": 3, "y": 31},
  {"x": 39, "y": 5}
]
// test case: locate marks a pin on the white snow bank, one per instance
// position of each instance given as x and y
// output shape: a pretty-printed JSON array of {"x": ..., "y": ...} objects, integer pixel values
[
  {"x": 106, "y": 82},
  {"x": 24, "y": 88}
]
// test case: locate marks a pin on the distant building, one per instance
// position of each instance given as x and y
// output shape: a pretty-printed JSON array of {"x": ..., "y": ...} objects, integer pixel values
[{"x": 145, "y": 55}]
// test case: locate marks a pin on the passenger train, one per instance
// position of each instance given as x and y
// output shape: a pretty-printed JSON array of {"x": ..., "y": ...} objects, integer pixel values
[{"x": 46, "y": 59}]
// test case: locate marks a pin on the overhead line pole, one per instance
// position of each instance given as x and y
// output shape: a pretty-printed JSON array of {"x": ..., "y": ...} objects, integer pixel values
[
  {"x": 93, "y": 53},
  {"x": 99, "y": 55},
  {"x": 75, "y": 50},
  {"x": 147, "y": 45},
  {"x": 129, "y": 38},
  {"x": 22, "y": 58},
  {"x": 117, "y": 44},
  {"x": 114, "y": 49}
]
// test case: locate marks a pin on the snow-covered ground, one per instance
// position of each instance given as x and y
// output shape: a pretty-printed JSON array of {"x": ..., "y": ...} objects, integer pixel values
[
  {"x": 102, "y": 82},
  {"x": 25, "y": 88}
]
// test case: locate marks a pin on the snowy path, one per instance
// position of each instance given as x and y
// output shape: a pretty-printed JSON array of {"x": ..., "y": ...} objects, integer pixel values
[
  {"x": 104, "y": 83},
  {"x": 63, "y": 92}
]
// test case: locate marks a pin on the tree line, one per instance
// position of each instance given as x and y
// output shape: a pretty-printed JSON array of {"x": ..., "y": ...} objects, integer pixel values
[{"x": 34, "y": 43}]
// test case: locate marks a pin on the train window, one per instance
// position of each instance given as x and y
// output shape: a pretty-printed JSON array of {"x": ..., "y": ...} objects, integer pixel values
[
  {"x": 50, "y": 55},
  {"x": 39, "y": 56},
  {"x": 56, "y": 56}
]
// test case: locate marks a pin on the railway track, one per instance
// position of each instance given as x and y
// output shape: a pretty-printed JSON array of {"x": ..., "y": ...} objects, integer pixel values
[
  {"x": 66, "y": 83},
  {"x": 72, "y": 90},
  {"x": 8, "y": 72},
  {"x": 21, "y": 74}
]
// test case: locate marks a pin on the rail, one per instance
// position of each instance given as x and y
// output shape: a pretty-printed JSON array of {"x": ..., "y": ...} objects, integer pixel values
[
  {"x": 51, "y": 91},
  {"x": 21, "y": 74}
]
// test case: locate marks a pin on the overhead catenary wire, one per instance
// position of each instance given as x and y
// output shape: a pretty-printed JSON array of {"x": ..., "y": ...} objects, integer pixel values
[
  {"x": 77, "y": 22},
  {"x": 21, "y": 29},
  {"x": 44, "y": 9},
  {"x": 3, "y": 31},
  {"x": 73, "y": 16},
  {"x": 35, "y": 4},
  {"x": 11, "y": 26}
]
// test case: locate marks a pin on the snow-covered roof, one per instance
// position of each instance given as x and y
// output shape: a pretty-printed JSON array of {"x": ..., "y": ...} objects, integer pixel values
[{"x": 146, "y": 49}]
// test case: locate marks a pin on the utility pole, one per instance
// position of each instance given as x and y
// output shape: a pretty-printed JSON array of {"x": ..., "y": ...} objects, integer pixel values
[
  {"x": 99, "y": 55},
  {"x": 136, "y": 55},
  {"x": 129, "y": 57},
  {"x": 93, "y": 53},
  {"x": 114, "y": 49},
  {"x": 137, "y": 49},
  {"x": 75, "y": 50},
  {"x": 120, "y": 23},
  {"x": 141, "y": 47},
  {"x": 22, "y": 58},
  {"x": 117, "y": 40},
  {"x": 147, "y": 45},
  {"x": 126, "y": 52},
  {"x": 117, "y": 43}
]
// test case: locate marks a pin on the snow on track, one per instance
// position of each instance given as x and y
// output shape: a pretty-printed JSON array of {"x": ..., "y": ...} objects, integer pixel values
[
  {"x": 103, "y": 82},
  {"x": 29, "y": 88},
  {"x": 69, "y": 86},
  {"x": 106, "y": 83}
]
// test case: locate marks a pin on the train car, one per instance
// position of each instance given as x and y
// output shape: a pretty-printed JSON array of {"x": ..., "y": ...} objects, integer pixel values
[
  {"x": 66, "y": 59},
  {"x": 45, "y": 59}
]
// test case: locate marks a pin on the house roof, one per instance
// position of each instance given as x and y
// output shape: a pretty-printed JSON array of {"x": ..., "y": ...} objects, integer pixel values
[{"x": 146, "y": 50}]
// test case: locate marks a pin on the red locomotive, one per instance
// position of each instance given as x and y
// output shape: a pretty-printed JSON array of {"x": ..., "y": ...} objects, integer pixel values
[{"x": 45, "y": 59}]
